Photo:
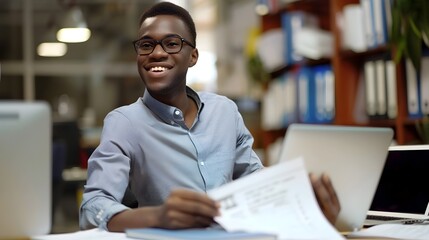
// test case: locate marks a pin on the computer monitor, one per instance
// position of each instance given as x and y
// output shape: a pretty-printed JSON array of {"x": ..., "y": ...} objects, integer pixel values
[{"x": 25, "y": 169}]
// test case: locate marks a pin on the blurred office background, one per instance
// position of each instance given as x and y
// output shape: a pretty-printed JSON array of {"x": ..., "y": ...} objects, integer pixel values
[{"x": 83, "y": 81}]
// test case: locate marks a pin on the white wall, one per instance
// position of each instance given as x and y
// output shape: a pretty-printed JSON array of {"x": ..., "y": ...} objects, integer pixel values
[{"x": 236, "y": 20}]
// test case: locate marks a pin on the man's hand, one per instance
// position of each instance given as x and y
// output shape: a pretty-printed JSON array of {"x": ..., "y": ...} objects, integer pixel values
[
  {"x": 182, "y": 209},
  {"x": 326, "y": 196},
  {"x": 187, "y": 209}
]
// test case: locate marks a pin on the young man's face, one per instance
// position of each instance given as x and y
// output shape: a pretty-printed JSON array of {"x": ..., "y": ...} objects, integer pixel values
[{"x": 165, "y": 73}]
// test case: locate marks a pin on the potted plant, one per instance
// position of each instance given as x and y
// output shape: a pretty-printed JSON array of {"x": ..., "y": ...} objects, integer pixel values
[
  {"x": 409, "y": 35},
  {"x": 410, "y": 29}
]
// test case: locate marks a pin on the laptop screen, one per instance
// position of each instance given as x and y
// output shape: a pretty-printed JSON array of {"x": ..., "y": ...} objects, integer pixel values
[
  {"x": 352, "y": 156},
  {"x": 403, "y": 184}
]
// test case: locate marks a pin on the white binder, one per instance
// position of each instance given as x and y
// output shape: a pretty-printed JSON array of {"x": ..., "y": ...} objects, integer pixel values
[
  {"x": 413, "y": 101},
  {"x": 369, "y": 73},
  {"x": 392, "y": 100},
  {"x": 368, "y": 18},
  {"x": 380, "y": 88},
  {"x": 424, "y": 85}
]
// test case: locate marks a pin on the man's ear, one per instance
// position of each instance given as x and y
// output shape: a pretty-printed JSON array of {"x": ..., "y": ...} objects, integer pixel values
[{"x": 194, "y": 57}]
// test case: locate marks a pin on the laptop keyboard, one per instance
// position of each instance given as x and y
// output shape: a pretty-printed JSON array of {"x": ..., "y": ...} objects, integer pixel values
[
  {"x": 384, "y": 218},
  {"x": 395, "y": 219}
]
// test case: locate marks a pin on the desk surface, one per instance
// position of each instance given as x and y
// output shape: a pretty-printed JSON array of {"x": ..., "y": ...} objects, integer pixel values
[
  {"x": 49, "y": 237},
  {"x": 102, "y": 235},
  {"x": 395, "y": 231}
]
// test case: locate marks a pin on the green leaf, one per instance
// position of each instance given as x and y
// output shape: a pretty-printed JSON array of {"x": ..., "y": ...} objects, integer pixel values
[
  {"x": 413, "y": 48},
  {"x": 425, "y": 22},
  {"x": 425, "y": 124},
  {"x": 414, "y": 27},
  {"x": 399, "y": 51},
  {"x": 405, "y": 5},
  {"x": 396, "y": 26},
  {"x": 410, "y": 23},
  {"x": 419, "y": 129},
  {"x": 422, "y": 127}
]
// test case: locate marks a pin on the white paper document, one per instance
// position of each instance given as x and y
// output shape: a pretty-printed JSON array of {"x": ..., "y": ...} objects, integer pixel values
[
  {"x": 278, "y": 199},
  {"x": 394, "y": 231},
  {"x": 93, "y": 234}
]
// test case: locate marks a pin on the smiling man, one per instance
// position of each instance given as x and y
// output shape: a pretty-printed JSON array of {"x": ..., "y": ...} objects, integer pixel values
[{"x": 173, "y": 144}]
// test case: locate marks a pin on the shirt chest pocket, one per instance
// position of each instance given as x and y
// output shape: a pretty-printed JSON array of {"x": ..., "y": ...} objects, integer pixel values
[{"x": 219, "y": 169}]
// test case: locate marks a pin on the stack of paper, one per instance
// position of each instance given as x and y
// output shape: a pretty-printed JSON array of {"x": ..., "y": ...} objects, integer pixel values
[{"x": 394, "y": 231}]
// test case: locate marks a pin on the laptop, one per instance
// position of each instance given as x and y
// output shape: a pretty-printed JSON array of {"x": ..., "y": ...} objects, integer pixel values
[
  {"x": 25, "y": 172},
  {"x": 352, "y": 156},
  {"x": 402, "y": 194}
]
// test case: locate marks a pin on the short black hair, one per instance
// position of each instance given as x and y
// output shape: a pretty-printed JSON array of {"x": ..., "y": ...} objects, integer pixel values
[{"x": 168, "y": 8}]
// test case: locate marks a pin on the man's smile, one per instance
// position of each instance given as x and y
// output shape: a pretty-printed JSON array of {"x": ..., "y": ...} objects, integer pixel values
[{"x": 157, "y": 69}]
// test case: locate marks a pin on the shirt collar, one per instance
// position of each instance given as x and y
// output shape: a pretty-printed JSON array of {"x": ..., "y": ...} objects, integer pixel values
[{"x": 167, "y": 113}]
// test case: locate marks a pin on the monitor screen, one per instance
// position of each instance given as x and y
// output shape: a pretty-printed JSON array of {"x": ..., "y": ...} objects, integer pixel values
[{"x": 25, "y": 172}]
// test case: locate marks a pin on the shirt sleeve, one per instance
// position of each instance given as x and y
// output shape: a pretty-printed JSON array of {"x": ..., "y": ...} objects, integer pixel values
[
  {"x": 246, "y": 159},
  {"x": 108, "y": 174}
]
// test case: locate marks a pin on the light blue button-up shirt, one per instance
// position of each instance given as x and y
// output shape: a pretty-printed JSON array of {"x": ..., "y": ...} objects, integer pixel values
[{"x": 148, "y": 145}]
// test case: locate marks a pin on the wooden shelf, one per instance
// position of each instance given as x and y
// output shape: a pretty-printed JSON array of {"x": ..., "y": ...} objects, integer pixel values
[{"x": 347, "y": 67}]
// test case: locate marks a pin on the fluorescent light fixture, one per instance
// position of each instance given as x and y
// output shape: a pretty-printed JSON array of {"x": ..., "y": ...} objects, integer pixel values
[
  {"x": 52, "y": 49},
  {"x": 73, "y": 35},
  {"x": 74, "y": 27}
]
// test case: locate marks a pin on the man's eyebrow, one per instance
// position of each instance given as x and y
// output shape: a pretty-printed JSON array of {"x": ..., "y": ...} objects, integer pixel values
[
  {"x": 164, "y": 36},
  {"x": 146, "y": 37}
]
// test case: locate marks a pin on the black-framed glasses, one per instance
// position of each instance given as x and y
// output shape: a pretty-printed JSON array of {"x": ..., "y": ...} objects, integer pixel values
[{"x": 170, "y": 44}]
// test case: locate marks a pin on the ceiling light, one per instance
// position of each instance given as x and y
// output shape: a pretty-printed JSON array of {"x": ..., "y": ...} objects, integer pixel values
[
  {"x": 261, "y": 9},
  {"x": 74, "y": 28},
  {"x": 73, "y": 35},
  {"x": 52, "y": 49}
]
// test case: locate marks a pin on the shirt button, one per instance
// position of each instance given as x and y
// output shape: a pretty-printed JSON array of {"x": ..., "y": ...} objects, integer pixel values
[{"x": 202, "y": 163}]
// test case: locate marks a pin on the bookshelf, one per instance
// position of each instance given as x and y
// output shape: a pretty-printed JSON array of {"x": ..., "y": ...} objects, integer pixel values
[{"x": 347, "y": 67}]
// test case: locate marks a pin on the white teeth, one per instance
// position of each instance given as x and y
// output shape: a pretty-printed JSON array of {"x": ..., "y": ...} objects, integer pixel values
[{"x": 158, "y": 69}]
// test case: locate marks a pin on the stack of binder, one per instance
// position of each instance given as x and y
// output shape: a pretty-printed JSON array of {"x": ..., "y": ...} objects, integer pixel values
[
  {"x": 316, "y": 94},
  {"x": 306, "y": 94},
  {"x": 381, "y": 89},
  {"x": 366, "y": 24}
]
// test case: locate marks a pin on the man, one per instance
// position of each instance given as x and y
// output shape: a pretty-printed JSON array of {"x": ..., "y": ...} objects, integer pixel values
[{"x": 173, "y": 144}]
